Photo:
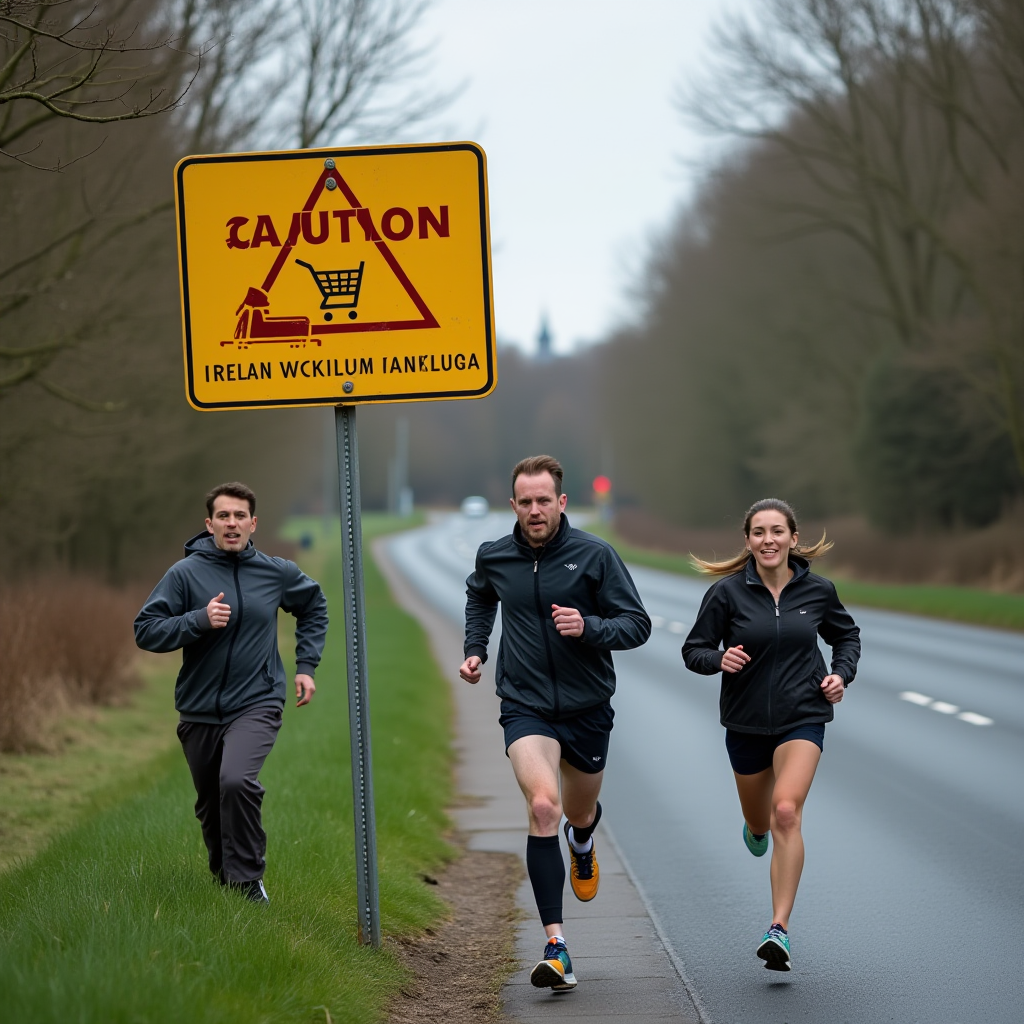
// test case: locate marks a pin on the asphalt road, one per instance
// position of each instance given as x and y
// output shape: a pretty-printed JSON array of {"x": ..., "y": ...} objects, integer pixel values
[{"x": 911, "y": 907}]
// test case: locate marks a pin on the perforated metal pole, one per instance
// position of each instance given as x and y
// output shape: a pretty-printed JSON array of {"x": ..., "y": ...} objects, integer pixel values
[{"x": 367, "y": 892}]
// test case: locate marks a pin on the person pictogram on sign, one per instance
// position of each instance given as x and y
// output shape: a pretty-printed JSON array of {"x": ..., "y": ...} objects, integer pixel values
[{"x": 256, "y": 327}]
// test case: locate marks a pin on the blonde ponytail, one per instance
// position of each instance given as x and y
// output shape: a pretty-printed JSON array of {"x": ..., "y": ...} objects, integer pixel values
[{"x": 738, "y": 562}]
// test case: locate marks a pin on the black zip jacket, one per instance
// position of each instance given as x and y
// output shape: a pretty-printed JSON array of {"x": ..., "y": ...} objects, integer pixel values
[
  {"x": 780, "y": 687},
  {"x": 225, "y": 672},
  {"x": 555, "y": 675}
]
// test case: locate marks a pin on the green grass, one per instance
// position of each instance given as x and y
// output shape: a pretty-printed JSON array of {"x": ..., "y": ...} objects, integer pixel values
[
  {"x": 118, "y": 920},
  {"x": 99, "y": 749},
  {"x": 957, "y": 604},
  {"x": 664, "y": 560}
]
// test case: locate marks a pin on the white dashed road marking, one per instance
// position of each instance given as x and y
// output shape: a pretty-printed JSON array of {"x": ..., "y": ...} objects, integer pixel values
[
  {"x": 945, "y": 708},
  {"x": 974, "y": 718},
  {"x": 676, "y": 627},
  {"x": 916, "y": 698}
]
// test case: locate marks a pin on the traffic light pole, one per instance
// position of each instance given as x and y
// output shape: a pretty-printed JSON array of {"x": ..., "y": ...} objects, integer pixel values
[{"x": 367, "y": 892}]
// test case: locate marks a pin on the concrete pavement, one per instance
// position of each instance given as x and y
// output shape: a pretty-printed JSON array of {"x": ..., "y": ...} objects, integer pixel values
[{"x": 624, "y": 968}]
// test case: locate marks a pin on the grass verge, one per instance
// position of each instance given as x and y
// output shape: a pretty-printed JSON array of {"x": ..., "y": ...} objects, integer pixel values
[
  {"x": 957, "y": 604},
  {"x": 100, "y": 750},
  {"x": 118, "y": 920}
]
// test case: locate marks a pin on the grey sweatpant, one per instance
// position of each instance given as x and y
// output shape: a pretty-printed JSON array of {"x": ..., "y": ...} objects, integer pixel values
[{"x": 225, "y": 761}]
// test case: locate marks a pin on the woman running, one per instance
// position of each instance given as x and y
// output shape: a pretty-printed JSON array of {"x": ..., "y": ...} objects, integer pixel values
[{"x": 767, "y": 612}]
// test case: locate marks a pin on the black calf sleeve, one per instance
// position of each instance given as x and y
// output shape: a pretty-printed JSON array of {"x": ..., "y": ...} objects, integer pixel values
[
  {"x": 581, "y": 835},
  {"x": 547, "y": 875}
]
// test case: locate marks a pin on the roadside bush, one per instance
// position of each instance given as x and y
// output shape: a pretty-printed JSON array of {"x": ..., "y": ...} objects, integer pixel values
[
  {"x": 64, "y": 642},
  {"x": 929, "y": 456}
]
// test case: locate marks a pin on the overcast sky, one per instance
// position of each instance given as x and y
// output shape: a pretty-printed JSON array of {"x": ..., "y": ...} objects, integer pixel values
[{"x": 572, "y": 101}]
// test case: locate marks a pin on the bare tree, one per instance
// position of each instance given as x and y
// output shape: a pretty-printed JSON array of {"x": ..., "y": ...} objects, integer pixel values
[
  {"x": 351, "y": 56},
  {"x": 66, "y": 60},
  {"x": 892, "y": 112},
  {"x": 349, "y": 60}
]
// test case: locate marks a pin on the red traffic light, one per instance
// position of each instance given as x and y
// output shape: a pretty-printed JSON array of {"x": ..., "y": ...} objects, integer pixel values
[{"x": 602, "y": 485}]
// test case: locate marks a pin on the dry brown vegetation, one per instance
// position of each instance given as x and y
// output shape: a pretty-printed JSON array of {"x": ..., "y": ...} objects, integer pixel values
[
  {"x": 65, "y": 642},
  {"x": 992, "y": 558}
]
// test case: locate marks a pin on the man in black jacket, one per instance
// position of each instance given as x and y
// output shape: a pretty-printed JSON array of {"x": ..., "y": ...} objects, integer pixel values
[
  {"x": 567, "y": 602},
  {"x": 231, "y": 688}
]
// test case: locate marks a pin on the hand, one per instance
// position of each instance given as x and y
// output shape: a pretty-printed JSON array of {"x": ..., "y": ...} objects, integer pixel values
[
  {"x": 568, "y": 621},
  {"x": 218, "y": 613},
  {"x": 832, "y": 687},
  {"x": 470, "y": 669},
  {"x": 304, "y": 689},
  {"x": 734, "y": 659}
]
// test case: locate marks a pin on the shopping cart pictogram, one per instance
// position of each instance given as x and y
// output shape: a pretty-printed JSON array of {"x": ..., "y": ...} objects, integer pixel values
[{"x": 340, "y": 285}]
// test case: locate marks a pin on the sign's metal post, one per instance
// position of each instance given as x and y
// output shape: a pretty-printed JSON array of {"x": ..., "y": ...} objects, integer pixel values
[{"x": 358, "y": 692}]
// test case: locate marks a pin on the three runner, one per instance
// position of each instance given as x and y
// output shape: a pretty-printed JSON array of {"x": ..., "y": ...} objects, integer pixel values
[
  {"x": 767, "y": 612},
  {"x": 567, "y": 602}
]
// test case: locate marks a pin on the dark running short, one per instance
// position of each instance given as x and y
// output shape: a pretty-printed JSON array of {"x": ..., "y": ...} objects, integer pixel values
[
  {"x": 750, "y": 754},
  {"x": 583, "y": 738}
]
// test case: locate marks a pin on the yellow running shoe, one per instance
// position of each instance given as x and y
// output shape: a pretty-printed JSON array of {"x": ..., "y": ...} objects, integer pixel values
[{"x": 584, "y": 873}]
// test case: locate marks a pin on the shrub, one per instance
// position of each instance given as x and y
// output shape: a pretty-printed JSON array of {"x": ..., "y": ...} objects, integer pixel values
[
  {"x": 64, "y": 641},
  {"x": 929, "y": 455}
]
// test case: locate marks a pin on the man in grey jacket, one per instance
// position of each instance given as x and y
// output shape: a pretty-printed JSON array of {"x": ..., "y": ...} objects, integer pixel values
[{"x": 219, "y": 606}]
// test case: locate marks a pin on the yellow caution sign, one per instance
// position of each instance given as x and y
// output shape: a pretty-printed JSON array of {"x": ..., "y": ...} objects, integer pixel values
[{"x": 321, "y": 277}]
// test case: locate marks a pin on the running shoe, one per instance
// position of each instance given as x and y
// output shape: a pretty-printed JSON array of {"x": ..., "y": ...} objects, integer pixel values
[
  {"x": 758, "y": 847},
  {"x": 774, "y": 949},
  {"x": 584, "y": 874},
  {"x": 555, "y": 970},
  {"x": 254, "y": 892}
]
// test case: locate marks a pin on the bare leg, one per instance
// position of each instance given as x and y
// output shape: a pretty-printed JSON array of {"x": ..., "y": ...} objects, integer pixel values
[
  {"x": 794, "y": 766},
  {"x": 535, "y": 763},
  {"x": 580, "y": 791},
  {"x": 755, "y": 792}
]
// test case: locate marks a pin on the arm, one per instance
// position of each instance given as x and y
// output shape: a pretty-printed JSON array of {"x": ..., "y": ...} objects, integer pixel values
[
  {"x": 700, "y": 651},
  {"x": 481, "y": 609},
  {"x": 304, "y": 599},
  {"x": 842, "y": 634},
  {"x": 623, "y": 622},
  {"x": 164, "y": 624}
]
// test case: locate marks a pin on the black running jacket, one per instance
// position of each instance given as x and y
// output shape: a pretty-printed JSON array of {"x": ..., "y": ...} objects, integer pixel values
[
  {"x": 557, "y": 676},
  {"x": 780, "y": 687}
]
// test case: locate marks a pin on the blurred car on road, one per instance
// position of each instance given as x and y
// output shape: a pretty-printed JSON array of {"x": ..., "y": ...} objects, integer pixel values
[{"x": 474, "y": 507}]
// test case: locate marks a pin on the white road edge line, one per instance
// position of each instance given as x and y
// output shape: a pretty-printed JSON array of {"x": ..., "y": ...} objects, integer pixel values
[{"x": 691, "y": 989}]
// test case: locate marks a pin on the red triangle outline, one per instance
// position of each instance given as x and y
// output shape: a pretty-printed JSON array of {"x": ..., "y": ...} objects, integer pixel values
[{"x": 363, "y": 217}]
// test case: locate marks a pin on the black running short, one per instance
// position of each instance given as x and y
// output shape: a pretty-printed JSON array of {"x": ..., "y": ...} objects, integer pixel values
[
  {"x": 583, "y": 738},
  {"x": 750, "y": 754}
]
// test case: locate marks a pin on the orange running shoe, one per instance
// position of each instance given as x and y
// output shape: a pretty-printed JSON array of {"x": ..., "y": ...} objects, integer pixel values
[{"x": 584, "y": 874}]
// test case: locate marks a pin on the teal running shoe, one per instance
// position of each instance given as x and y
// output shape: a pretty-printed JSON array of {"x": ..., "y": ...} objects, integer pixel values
[
  {"x": 555, "y": 970},
  {"x": 774, "y": 949},
  {"x": 758, "y": 847}
]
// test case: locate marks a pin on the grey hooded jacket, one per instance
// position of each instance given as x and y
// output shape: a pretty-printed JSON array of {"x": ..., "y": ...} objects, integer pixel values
[{"x": 225, "y": 672}]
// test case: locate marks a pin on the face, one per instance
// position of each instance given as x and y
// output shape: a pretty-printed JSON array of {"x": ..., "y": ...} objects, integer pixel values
[
  {"x": 537, "y": 506},
  {"x": 231, "y": 524},
  {"x": 770, "y": 540}
]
